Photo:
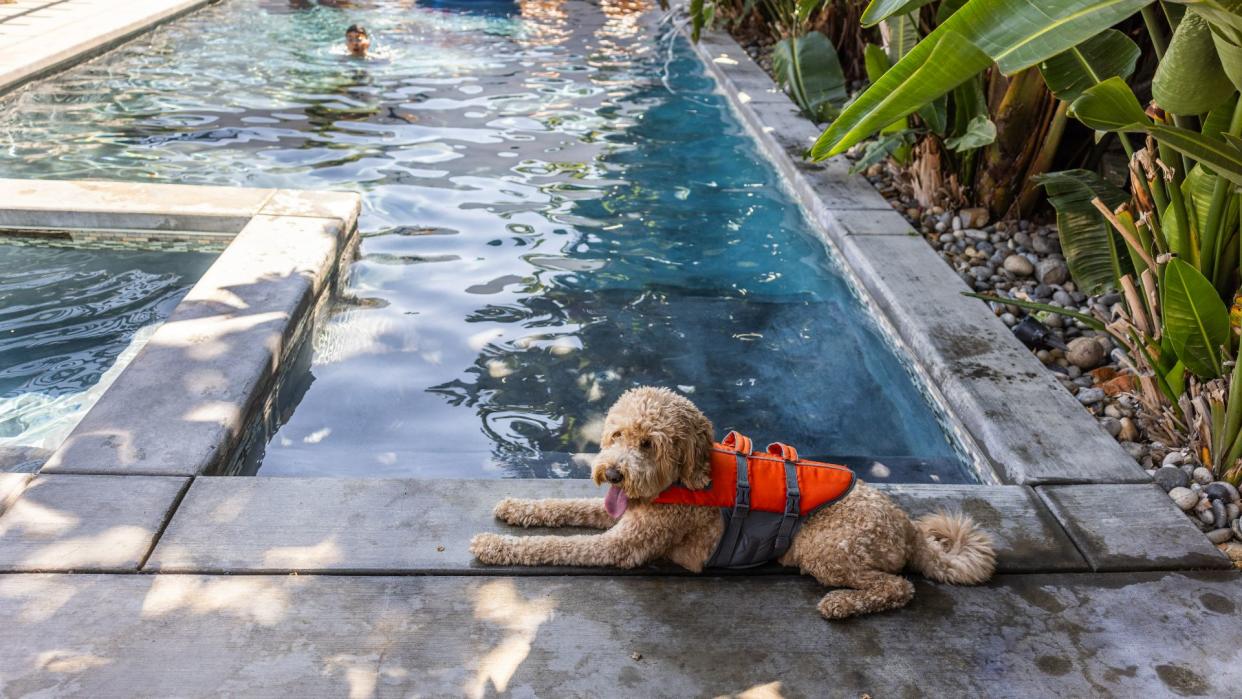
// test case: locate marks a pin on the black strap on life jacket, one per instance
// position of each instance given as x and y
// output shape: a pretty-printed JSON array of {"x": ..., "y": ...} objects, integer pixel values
[
  {"x": 793, "y": 507},
  {"x": 741, "y": 508}
]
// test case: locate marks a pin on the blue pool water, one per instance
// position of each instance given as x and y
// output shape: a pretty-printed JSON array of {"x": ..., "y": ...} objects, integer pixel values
[
  {"x": 70, "y": 319},
  {"x": 558, "y": 207}
]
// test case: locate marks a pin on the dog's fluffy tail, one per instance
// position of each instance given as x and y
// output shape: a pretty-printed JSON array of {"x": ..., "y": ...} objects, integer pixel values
[{"x": 949, "y": 547}]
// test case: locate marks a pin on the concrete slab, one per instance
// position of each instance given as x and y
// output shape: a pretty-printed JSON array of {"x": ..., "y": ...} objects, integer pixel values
[
  {"x": 1028, "y": 538},
  {"x": 343, "y": 206},
  {"x": 1102, "y": 521},
  {"x": 209, "y": 363},
  {"x": 1028, "y": 636},
  {"x": 85, "y": 204},
  {"x": 269, "y": 525},
  {"x": 11, "y": 485},
  {"x": 85, "y": 523},
  {"x": 1028, "y": 426},
  {"x": 41, "y": 42}
]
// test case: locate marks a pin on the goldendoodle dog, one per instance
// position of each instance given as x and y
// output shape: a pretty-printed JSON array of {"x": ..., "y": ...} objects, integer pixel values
[{"x": 655, "y": 442}]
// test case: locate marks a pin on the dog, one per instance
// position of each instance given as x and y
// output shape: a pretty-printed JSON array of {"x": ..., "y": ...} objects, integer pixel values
[{"x": 653, "y": 439}]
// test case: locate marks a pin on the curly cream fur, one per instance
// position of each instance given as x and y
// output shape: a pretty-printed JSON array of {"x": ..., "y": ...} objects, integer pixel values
[{"x": 655, "y": 438}]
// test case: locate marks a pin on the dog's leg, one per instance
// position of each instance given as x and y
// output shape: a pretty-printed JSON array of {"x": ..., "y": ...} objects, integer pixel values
[
  {"x": 623, "y": 546},
  {"x": 578, "y": 512},
  {"x": 870, "y": 591}
]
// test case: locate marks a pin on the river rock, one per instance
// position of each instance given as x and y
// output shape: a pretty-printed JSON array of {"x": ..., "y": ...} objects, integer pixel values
[
  {"x": 1090, "y": 396},
  {"x": 1019, "y": 266},
  {"x": 1170, "y": 477},
  {"x": 1085, "y": 353},
  {"x": 1201, "y": 475},
  {"x": 1221, "y": 490},
  {"x": 976, "y": 217},
  {"x": 1173, "y": 458},
  {"x": 1220, "y": 536},
  {"x": 1052, "y": 271},
  {"x": 1185, "y": 498},
  {"x": 1233, "y": 550}
]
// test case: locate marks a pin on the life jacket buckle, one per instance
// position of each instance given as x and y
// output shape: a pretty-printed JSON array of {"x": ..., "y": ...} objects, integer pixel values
[{"x": 742, "y": 505}]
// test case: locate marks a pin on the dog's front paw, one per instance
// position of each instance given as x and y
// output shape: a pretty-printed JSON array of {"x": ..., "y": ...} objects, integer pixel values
[
  {"x": 492, "y": 549},
  {"x": 516, "y": 512}
]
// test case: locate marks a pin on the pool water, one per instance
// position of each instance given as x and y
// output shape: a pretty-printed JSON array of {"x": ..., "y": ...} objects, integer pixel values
[
  {"x": 558, "y": 206},
  {"x": 70, "y": 321}
]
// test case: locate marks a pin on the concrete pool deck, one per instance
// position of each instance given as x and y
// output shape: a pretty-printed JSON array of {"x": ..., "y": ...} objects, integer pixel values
[
  {"x": 124, "y": 570},
  {"x": 38, "y": 37}
]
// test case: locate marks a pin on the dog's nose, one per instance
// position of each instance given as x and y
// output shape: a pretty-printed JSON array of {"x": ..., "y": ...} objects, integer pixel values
[{"x": 612, "y": 475}]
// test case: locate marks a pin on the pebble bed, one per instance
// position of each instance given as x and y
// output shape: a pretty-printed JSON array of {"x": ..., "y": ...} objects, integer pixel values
[{"x": 1020, "y": 258}]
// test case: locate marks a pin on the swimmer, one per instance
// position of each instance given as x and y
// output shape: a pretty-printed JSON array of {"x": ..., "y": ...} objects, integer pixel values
[{"x": 357, "y": 41}]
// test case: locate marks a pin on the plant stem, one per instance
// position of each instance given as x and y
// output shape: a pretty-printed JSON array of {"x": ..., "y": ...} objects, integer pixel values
[{"x": 1155, "y": 31}]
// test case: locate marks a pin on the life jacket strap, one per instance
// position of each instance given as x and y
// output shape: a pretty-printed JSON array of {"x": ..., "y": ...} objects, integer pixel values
[
  {"x": 793, "y": 505},
  {"x": 741, "y": 508}
]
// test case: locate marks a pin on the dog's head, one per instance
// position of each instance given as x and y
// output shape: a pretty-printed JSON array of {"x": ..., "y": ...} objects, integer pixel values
[{"x": 652, "y": 439}]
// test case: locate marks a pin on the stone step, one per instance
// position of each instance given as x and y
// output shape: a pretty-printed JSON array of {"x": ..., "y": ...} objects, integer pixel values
[
  {"x": 272, "y": 525},
  {"x": 1125, "y": 635}
]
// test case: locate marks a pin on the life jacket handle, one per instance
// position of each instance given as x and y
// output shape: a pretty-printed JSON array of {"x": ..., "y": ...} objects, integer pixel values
[
  {"x": 737, "y": 442},
  {"x": 783, "y": 450}
]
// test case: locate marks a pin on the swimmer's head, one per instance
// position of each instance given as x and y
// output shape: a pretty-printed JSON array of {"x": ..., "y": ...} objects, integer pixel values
[{"x": 357, "y": 41}]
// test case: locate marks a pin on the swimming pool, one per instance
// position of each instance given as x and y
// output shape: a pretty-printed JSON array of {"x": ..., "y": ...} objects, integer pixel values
[
  {"x": 558, "y": 206},
  {"x": 70, "y": 321}
]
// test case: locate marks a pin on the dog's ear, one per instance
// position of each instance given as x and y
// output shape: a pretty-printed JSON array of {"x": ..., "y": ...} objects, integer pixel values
[{"x": 696, "y": 450}]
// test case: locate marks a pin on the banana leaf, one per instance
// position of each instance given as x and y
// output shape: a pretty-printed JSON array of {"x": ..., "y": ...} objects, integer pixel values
[
  {"x": 879, "y": 10},
  {"x": 1195, "y": 319},
  {"x": 1109, "y": 106},
  {"x": 1190, "y": 78},
  {"x": 979, "y": 132},
  {"x": 809, "y": 69},
  {"x": 1094, "y": 252},
  {"x": 901, "y": 35},
  {"x": 1108, "y": 54},
  {"x": 1222, "y": 156},
  {"x": 1015, "y": 34}
]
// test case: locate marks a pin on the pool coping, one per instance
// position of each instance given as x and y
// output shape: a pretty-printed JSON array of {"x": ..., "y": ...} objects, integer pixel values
[
  {"x": 213, "y": 360},
  {"x": 969, "y": 369},
  {"x": 56, "y": 46}
]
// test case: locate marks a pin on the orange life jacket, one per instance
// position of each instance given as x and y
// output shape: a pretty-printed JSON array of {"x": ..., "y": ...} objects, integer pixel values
[{"x": 763, "y": 497}]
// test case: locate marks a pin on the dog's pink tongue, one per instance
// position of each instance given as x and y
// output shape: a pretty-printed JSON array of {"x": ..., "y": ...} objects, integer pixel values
[{"x": 615, "y": 502}]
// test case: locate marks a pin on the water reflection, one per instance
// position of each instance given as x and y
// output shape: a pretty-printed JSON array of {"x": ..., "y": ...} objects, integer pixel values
[{"x": 557, "y": 206}]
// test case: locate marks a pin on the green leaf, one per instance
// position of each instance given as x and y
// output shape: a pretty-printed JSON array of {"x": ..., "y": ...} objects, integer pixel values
[
  {"x": 879, "y": 10},
  {"x": 1015, "y": 34},
  {"x": 1217, "y": 121},
  {"x": 1195, "y": 319},
  {"x": 805, "y": 8},
  {"x": 1109, "y": 106},
  {"x": 1094, "y": 251},
  {"x": 1177, "y": 240},
  {"x": 697, "y": 19},
  {"x": 1224, "y": 157},
  {"x": 1190, "y": 79},
  {"x": 1229, "y": 51},
  {"x": 901, "y": 35},
  {"x": 1108, "y": 54},
  {"x": 809, "y": 69},
  {"x": 1223, "y": 13},
  {"x": 875, "y": 60},
  {"x": 979, "y": 132},
  {"x": 909, "y": 85},
  {"x": 888, "y": 144}
]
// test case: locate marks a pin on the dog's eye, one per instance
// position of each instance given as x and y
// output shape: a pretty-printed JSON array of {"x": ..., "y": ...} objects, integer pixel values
[{"x": 645, "y": 444}]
